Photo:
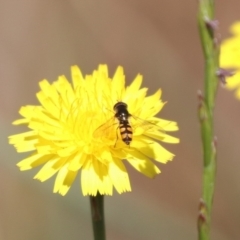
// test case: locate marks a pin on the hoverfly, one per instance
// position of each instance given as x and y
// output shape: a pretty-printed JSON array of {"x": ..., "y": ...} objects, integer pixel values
[
  {"x": 122, "y": 114},
  {"x": 122, "y": 118}
]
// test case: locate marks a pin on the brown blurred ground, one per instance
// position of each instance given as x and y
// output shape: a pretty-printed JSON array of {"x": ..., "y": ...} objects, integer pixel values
[{"x": 42, "y": 39}]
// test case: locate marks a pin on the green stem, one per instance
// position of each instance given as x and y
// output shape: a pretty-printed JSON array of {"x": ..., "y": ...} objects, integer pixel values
[
  {"x": 97, "y": 210},
  {"x": 211, "y": 56}
]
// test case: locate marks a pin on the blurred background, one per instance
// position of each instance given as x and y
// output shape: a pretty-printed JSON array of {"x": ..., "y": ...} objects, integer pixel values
[{"x": 159, "y": 39}]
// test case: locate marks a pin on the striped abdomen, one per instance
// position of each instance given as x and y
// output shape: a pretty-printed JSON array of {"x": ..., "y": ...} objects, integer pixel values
[
  {"x": 122, "y": 114},
  {"x": 126, "y": 132}
]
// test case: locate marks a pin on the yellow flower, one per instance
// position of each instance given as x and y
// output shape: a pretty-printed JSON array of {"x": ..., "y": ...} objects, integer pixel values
[
  {"x": 75, "y": 130},
  {"x": 230, "y": 58}
]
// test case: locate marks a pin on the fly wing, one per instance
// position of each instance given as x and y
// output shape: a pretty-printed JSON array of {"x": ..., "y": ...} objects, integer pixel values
[
  {"x": 146, "y": 125},
  {"x": 106, "y": 129},
  {"x": 152, "y": 129}
]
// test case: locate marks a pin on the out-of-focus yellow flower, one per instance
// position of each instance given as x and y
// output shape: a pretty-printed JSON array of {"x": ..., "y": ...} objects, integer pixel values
[
  {"x": 230, "y": 58},
  {"x": 70, "y": 132}
]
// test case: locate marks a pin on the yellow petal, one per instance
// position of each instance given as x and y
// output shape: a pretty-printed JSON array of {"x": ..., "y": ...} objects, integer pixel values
[
  {"x": 29, "y": 111},
  {"x": 163, "y": 137},
  {"x": 77, "y": 161},
  {"x": 119, "y": 176},
  {"x": 65, "y": 90},
  {"x": 26, "y": 146},
  {"x": 64, "y": 180},
  {"x": 94, "y": 178},
  {"x": 49, "y": 169},
  {"x": 142, "y": 164},
  {"x": 49, "y": 91},
  {"x": 77, "y": 77},
  {"x": 103, "y": 70},
  {"x": 67, "y": 151},
  {"x": 157, "y": 107},
  {"x": 21, "y": 136},
  {"x": 34, "y": 161},
  {"x": 235, "y": 28},
  {"x": 234, "y": 81},
  {"x": 21, "y": 121},
  {"x": 118, "y": 85},
  {"x": 47, "y": 104},
  {"x": 134, "y": 86},
  {"x": 153, "y": 150},
  {"x": 150, "y": 100},
  {"x": 136, "y": 102},
  {"x": 165, "y": 124}
]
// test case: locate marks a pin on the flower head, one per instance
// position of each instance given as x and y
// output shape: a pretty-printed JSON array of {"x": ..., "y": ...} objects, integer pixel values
[
  {"x": 230, "y": 58},
  {"x": 75, "y": 129}
]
